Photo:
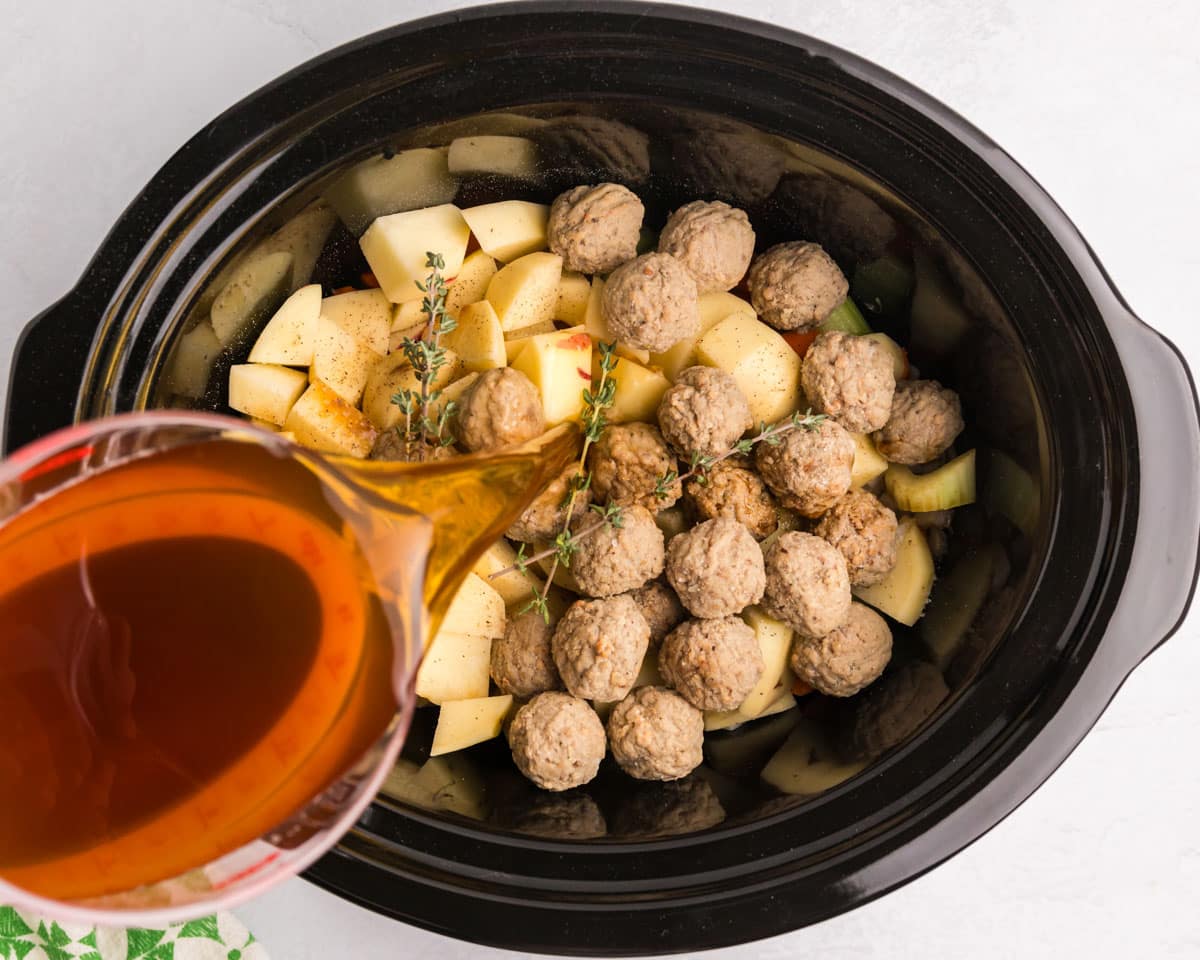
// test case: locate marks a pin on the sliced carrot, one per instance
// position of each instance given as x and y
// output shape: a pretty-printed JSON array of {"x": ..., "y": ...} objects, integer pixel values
[
  {"x": 369, "y": 281},
  {"x": 800, "y": 688},
  {"x": 800, "y": 341},
  {"x": 347, "y": 289}
]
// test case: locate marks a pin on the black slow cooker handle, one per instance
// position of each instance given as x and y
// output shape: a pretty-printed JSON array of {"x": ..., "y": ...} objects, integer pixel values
[
  {"x": 1166, "y": 549},
  {"x": 46, "y": 370}
]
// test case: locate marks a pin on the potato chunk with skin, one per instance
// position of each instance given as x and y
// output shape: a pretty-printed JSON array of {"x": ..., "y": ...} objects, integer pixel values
[
  {"x": 525, "y": 292},
  {"x": 559, "y": 365},
  {"x": 762, "y": 364},
  {"x": 265, "y": 391},
  {"x": 397, "y": 248}
]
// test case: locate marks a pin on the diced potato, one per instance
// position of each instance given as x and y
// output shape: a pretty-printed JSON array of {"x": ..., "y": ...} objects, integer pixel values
[
  {"x": 639, "y": 390},
  {"x": 257, "y": 287},
  {"x": 775, "y": 642},
  {"x": 782, "y": 700},
  {"x": 469, "y": 284},
  {"x": 714, "y": 307},
  {"x": 340, "y": 360},
  {"x": 574, "y": 292},
  {"x": 950, "y": 485},
  {"x": 397, "y": 248},
  {"x": 267, "y": 424},
  {"x": 765, "y": 368},
  {"x": 265, "y": 391},
  {"x": 959, "y": 596},
  {"x": 392, "y": 374},
  {"x": 525, "y": 292},
  {"x": 324, "y": 421},
  {"x": 450, "y": 783},
  {"x": 366, "y": 314},
  {"x": 559, "y": 364},
  {"x": 379, "y": 186},
  {"x": 503, "y": 156},
  {"x": 477, "y": 609},
  {"x": 648, "y": 676},
  {"x": 869, "y": 463},
  {"x": 514, "y": 587},
  {"x": 597, "y": 327},
  {"x": 807, "y": 764},
  {"x": 456, "y": 667},
  {"x": 939, "y": 321},
  {"x": 193, "y": 360},
  {"x": 898, "y": 354},
  {"x": 478, "y": 339},
  {"x": 903, "y": 592},
  {"x": 290, "y": 336},
  {"x": 304, "y": 238},
  {"x": 508, "y": 229},
  {"x": 464, "y": 723}
]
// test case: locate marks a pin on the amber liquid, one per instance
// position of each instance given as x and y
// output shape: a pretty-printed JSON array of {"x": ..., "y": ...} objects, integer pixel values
[{"x": 194, "y": 645}]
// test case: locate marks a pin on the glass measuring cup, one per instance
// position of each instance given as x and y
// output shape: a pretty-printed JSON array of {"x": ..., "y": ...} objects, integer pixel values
[{"x": 385, "y": 546}]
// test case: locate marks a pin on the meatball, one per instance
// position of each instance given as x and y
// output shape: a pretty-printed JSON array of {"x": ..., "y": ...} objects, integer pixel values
[
  {"x": 713, "y": 240},
  {"x": 627, "y": 462},
  {"x": 557, "y": 741},
  {"x": 599, "y": 646},
  {"x": 501, "y": 409},
  {"x": 926, "y": 417},
  {"x": 619, "y": 559},
  {"x": 849, "y": 658},
  {"x": 850, "y": 378},
  {"x": 736, "y": 493},
  {"x": 651, "y": 303},
  {"x": 571, "y": 816},
  {"x": 656, "y": 735},
  {"x": 864, "y": 531},
  {"x": 716, "y": 568},
  {"x": 796, "y": 286},
  {"x": 892, "y": 710},
  {"x": 595, "y": 229},
  {"x": 661, "y": 608},
  {"x": 522, "y": 660},
  {"x": 545, "y": 517},
  {"x": 668, "y": 809},
  {"x": 809, "y": 469},
  {"x": 704, "y": 412},
  {"x": 808, "y": 587},
  {"x": 714, "y": 664}
]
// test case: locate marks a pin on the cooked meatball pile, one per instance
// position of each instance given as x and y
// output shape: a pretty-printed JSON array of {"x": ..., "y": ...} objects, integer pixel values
[
  {"x": 651, "y": 303},
  {"x": 713, "y": 240},
  {"x": 595, "y": 229},
  {"x": 694, "y": 546}
]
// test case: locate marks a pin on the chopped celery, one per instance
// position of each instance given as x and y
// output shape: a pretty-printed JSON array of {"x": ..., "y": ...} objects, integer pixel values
[
  {"x": 949, "y": 486},
  {"x": 883, "y": 286},
  {"x": 957, "y": 600},
  {"x": 939, "y": 321},
  {"x": 903, "y": 592},
  {"x": 847, "y": 318}
]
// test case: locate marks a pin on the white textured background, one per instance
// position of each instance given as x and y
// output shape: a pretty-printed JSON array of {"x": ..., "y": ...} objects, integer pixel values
[{"x": 1097, "y": 99}]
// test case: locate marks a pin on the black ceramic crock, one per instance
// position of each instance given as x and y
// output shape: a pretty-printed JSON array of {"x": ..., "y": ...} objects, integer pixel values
[{"x": 1102, "y": 409}]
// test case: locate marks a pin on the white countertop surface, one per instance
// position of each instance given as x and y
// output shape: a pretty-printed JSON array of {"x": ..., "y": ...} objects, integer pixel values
[{"x": 1097, "y": 98}]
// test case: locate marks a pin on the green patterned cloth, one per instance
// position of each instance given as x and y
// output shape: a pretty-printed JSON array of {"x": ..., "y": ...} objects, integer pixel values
[{"x": 220, "y": 937}]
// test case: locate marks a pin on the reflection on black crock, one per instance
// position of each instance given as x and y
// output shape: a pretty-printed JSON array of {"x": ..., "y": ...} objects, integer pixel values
[
  {"x": 555, "y": 816},
  {"x": 582, "y": 149},
  {"x": 668, "y": 809}
]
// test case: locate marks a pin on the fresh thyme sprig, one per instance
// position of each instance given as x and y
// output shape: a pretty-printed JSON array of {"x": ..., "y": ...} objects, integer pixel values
[
  {"x": 595, "y": 404},
  {"x": 770, "y": 434},
  {"x": 427, "y": 357}
]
